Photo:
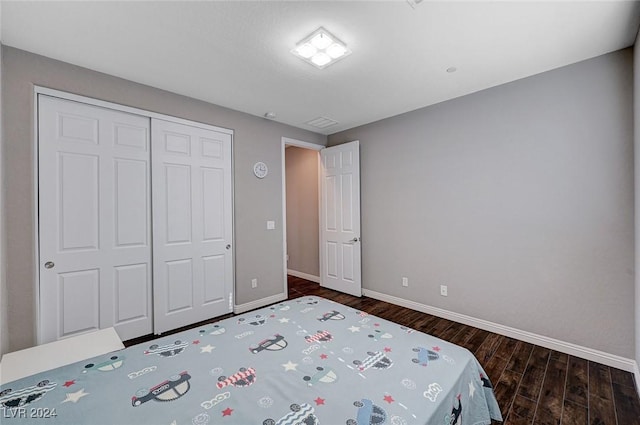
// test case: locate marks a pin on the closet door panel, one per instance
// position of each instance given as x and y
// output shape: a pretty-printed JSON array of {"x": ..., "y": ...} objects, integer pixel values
[
  {"x": 78, "y": 201},
  {"x": 192, "y": 224},
  {"x": 178, "y": 203},
  {"x": 79, "y": 301},
  {"x": 94, "y": 220},
  {"x": 131, "y": 203}
]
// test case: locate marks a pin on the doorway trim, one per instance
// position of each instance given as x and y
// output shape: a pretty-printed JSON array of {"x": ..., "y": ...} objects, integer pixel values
[{"x": 286, "y": 141}]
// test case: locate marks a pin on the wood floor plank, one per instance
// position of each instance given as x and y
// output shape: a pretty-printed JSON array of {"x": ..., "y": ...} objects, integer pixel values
[
  {"x": 438, "y": 327},
  {"x": 473, "y": 343},
  {"x": 577, "y": 387},
  {"x": 464, "y": 335},
  {"x": 426, "y": 323},
  {"x": 551, "y": 403},
  {"x": 574, "y": 414},
  {"x": 523, "y": 410},
  {"x": 600, "y": 381},
  {"x": 505, "y": 390},
  {"x": 520, "y": 357},
  {"x": 561, "y": 357},
  {"x": 601, "y": 411},
  {"x": 451, "y": 331},
  {"x": 627, "y": 404},
  {"x": 531, "y": 382},
  {"x": 539, "y": 356},
  {"x": 514, "y": 419},
  {"x": 506, "y": 348},
  {"x": 494, "y": 367},
  {"x": 621, "y": 377},
  {"x": 488, "y": 348}
]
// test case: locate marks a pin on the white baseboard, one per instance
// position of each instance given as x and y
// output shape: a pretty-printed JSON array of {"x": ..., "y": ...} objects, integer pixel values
[
  {"x": 241, "y": 308},
  {"x": 607, "y": 359},
  {"x": 302, "y": 275}
]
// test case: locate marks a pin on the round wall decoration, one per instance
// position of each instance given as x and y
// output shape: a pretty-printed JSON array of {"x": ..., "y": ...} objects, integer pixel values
[{"x": 260, "y": 170}]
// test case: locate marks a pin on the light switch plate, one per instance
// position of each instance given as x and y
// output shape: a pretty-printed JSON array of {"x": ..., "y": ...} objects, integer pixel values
[{"x": 271, "y": 225}]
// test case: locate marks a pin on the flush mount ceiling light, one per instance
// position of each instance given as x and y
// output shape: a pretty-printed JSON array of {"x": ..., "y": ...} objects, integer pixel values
[{"x": 321, "y": 49}]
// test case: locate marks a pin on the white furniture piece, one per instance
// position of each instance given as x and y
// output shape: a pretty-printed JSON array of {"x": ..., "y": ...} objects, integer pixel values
[{"x": 40, "y": 358}]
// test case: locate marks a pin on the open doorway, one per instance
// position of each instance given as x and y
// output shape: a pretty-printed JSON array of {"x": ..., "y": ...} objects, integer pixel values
[{"x": 301, "y": 209}]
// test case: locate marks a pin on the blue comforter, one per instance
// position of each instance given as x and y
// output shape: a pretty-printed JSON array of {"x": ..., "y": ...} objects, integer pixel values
[{"x": 305, "y": 361}]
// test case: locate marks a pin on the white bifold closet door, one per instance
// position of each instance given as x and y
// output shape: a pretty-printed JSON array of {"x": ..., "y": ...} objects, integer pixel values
[
  {"x": 94, "y": 220},
  {"x": 192, "y": 230},
  {"x": 135, "y": 221}
]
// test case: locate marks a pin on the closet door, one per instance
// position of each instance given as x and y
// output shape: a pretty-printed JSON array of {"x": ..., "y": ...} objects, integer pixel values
[
  {"x": 94, "y": 220},
  {"x": 192, "y": 224}
]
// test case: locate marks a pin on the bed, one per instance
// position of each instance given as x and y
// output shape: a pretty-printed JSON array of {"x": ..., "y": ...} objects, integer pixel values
[{"x": 304, "y": 361}]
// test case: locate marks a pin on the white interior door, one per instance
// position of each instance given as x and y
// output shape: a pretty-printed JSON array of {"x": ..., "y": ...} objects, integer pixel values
[
  {"x": 192, "y": 224},
  {"x": 94, "y": 220},
  {"x": 340, "y": 267}
]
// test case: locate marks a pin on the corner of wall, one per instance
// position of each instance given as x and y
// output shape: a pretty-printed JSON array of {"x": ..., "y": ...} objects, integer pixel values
[
  {"x": 636, "y": 146},
  {"x": 4, "y": 335}
]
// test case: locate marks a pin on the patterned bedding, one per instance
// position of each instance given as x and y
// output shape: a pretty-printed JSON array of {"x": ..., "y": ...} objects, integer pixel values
[{"x": 305, "y": 361}]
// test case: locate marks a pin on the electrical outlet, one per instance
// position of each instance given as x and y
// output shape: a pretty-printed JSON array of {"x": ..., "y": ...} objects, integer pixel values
[
  {"x": 271, "y": 225},
  {"x": 405, "y": 281},
  {"x": 254, "y": 283},
  {"x": 443, "y": 290}
]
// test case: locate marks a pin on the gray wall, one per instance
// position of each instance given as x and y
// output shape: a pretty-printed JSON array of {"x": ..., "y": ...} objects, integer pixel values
[
  {"x": 258, "y": 251},
  {"x": 636, "y": 120},
  {"x": 519, "y": 198},
  {"x": 4, "y": 329},
  {"x": 301, "y": 166}
]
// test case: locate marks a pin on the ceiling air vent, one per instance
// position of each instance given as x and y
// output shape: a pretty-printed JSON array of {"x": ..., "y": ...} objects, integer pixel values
[
  {"x": 321, "y": 122},
  {"x": 414, "y": 3}
]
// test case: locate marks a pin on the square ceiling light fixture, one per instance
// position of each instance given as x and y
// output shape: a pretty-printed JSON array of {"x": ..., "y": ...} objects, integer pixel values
[{"x": 321, "y": 49}]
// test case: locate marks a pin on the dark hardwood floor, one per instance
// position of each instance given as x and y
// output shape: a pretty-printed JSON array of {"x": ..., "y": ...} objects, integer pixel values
[{"x": 533, "y": 385}]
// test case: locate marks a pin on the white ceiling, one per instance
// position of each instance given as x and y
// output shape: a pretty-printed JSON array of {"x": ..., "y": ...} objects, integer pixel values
[{"x": 236, "y": 53}]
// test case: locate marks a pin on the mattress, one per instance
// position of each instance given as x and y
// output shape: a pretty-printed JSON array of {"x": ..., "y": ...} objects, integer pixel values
[{"x": 304, "y": 361}]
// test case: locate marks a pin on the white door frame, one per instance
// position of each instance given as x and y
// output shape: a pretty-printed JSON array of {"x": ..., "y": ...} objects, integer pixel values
[
  {"x": 104, "y": 104},
  {"x": 300, "y": 144}
]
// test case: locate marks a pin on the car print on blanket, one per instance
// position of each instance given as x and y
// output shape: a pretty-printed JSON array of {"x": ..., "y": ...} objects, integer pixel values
[
  {"x": 331, "y": 315},
  {"x": 321, "y": 336},
  {"x": 168, "y": 350},
  {"x": 368, "y": 413},
  {"x": 214, "y": 330},
  {"x": 324, "y": 375},
  {"x": 243, "y": 378},
  {"x": 10, "y": 398},
  {"x": 424, "y": 356},
  {"x": 301, "y": 414},
  {"x": 257, "y": 320},
  {"x": 376, "y": 360},
  {"x": 113, "y": 363},
  {"x": 276, "y": 343},
  {"x": 171, "y": 389}
]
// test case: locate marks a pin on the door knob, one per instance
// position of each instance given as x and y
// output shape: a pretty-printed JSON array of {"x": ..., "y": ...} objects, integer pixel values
[
  {"x": 354, "y": 240},
  {"x": 228, "y": 246},
  {"x": 49, "y": 265}
]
